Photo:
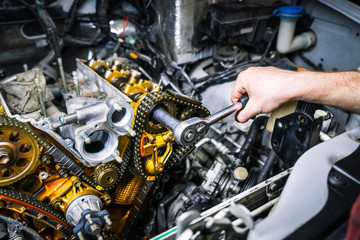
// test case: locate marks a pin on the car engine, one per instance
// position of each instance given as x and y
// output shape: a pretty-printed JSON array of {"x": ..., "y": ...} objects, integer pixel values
[{"x": 90, "y": 92}]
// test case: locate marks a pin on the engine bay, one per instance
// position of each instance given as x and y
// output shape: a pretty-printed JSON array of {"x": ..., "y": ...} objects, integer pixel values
[{"x": 92, "y": 94}]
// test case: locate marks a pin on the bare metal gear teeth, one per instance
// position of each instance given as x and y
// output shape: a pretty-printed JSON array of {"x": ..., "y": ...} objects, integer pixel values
[
  {"x": 10, "y": 122},
  {"x": 108, "y": 175},
  {"x": 184, "y": 109},
  {"x": 19, "y": 151}
]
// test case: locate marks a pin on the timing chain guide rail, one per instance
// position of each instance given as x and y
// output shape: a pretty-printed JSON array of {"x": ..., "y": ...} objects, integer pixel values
[{"x": 31, "y": 204}]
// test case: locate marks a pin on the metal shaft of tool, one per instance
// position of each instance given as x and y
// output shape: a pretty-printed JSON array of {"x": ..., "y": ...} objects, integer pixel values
[
  {"x": 165, "y": 119},
  {"x": 223, "y": 113},
  {"x": 190, "y": 130}
]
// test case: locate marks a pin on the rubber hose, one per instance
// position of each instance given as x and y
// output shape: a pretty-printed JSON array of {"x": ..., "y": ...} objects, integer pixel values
[
  {"x": 256, "y": 126},
  {"x": 265, "y": 171}
]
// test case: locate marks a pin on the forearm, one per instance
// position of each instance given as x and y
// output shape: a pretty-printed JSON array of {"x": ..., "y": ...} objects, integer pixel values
[
  {"x": 269, "y": 88},
  {"x": 338, "y": 89}
]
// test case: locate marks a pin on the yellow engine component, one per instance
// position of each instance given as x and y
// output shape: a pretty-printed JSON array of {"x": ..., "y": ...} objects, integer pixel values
[
  {"x": 142, "y": 86},
  {"x": 153, "y": 146},
  {"x": 19, "y": 153},
  {"x": 157, "y": 149},
  {"x": 62, "y": 191},
  {"x": 98, "y": 66}
]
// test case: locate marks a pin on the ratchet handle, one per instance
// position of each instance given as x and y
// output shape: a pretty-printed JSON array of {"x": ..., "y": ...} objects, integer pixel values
[{"x": 243, "y": 100}]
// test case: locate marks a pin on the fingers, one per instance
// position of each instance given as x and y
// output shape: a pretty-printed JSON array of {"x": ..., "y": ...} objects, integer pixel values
[
  {"x": 238, "y": 90},
  {"x": 251, "y": 109}
]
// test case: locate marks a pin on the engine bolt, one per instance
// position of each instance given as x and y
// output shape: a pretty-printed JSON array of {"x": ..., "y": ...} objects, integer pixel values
[
  {"x": 95, "y": 229},
  {"x": 43, "y": 175},
  {"x": 89, "y": 218},
  {"x": 272, "y": 187},
  {"x": 63, "y": 172},
  {"x": 76, "y": 182},
  {"x": 130, "y": 131},
  {"x": 80, "y": 236},
  {"x": 86, "y": 138},
  {"x": 55, "y": 201},
  {"x": 107, "y": 220},
  {"x": 76, "y": 84},
  {"x": 106, "y": 198},
  {"x": 117, "y": 157},
  {"x": 46, "y": 159},
  {"x": 117, "y": 107}
]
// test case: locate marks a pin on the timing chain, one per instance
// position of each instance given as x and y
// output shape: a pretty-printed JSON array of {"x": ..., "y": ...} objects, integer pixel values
[
  {"x": 59, "y": 156},
  {"x": 37, "y": 209},
  {"x": 143, "y": 111},
  {"x": 10, "y": 122}
]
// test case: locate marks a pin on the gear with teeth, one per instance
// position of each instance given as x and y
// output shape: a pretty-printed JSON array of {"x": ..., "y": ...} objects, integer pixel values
[
  {"x": 107, "y": 175},
  {"x": 19, "y": 151},
  {"x": 184, "y": 108}
]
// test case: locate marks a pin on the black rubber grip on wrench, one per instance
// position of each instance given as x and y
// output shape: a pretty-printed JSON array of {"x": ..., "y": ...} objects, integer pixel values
[{"x": 243, "y": 100}]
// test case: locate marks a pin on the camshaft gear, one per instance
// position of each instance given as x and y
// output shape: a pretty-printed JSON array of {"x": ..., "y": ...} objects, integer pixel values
[
  {"x": 107, "y": 175},
  {"x": 143, "y": 115},
  {"x": 19, "y": 151}
]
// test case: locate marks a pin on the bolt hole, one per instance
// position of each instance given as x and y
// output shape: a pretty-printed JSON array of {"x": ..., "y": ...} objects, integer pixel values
[
  {"x": 25, "y": 148},
  {"x": 21, "y": 162},
  {"x": 357, "y": 34},
  {"x": 321, "y": 59},
  {"x": 7, "y": 172},
  {"x": 109, "y": 179},
  {"x": 15, "y": 136}
]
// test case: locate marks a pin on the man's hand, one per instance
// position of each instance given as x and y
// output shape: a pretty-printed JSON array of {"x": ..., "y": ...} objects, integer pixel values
[{"x": 268, "y": 88}]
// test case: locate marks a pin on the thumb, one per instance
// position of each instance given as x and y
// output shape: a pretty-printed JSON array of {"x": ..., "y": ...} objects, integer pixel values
[{"x": 248, "y": 112}]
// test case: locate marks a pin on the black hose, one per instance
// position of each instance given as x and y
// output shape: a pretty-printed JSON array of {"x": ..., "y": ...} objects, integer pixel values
[
  {"x": 152, "y": 49},
  {"x": 267, "y": 49},
  {"x": 71, "y": 41},
  {"x": 101, "y": 14},
  {"x": 257, "y": 125},
  {"x": 265, "y": 171},
  {"x": 70, "y": 18}
]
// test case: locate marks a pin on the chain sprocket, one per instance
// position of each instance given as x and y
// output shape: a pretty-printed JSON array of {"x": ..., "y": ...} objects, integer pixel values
[
  {"x": 140, "y": 126},
  {"x": 19, "y": 151},
  {"x": 107, "y": 175}
]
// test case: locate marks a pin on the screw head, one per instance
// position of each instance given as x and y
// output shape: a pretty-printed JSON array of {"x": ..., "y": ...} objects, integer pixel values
[
  {"x": 189, "y": 135},
  {"x": 337, "y": 179}
]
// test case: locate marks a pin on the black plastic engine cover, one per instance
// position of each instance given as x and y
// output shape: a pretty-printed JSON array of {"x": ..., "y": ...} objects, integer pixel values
[{"x": 236, "y": 23}]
